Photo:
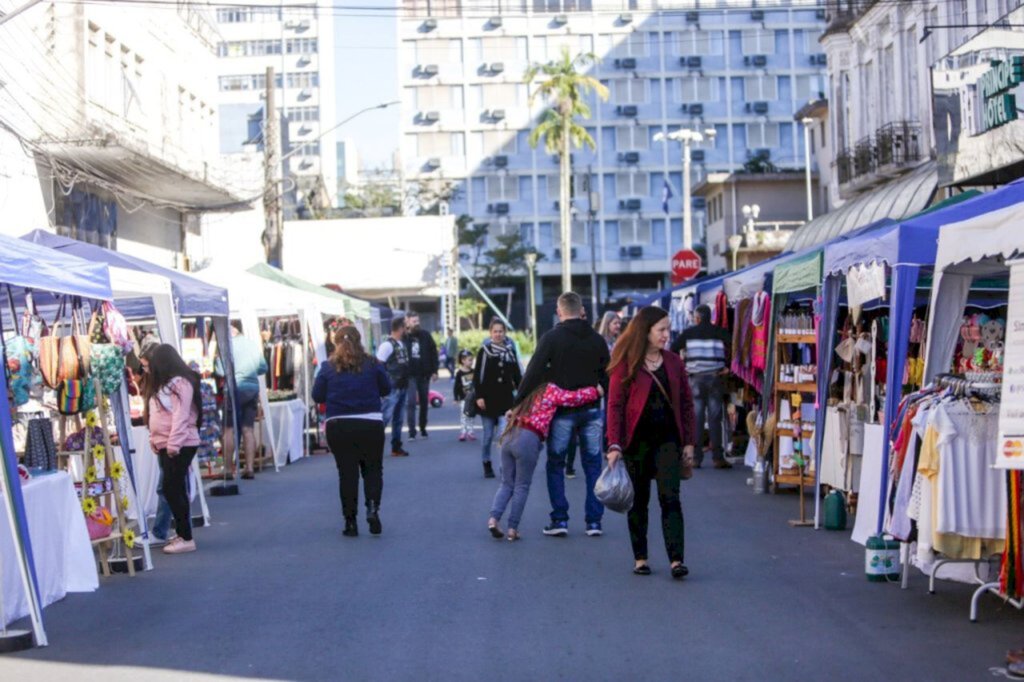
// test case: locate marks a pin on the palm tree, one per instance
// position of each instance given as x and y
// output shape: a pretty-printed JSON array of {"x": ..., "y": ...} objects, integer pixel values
[{"x": 563, "y": 85}]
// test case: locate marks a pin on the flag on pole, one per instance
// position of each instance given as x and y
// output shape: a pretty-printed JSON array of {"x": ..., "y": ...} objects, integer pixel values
[{"x": 666, "y": 194}]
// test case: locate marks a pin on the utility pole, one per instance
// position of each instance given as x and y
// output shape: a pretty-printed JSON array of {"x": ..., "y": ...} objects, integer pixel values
[
  {"x": 272, "y": 233},
  {"x": 593, "y": 246}
]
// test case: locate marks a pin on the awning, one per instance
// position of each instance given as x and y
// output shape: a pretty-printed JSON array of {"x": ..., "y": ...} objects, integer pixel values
[
  {"x": 354, "y": 308},
  {"x": 896, "y": 200},
  {"x": 799, "y": 274}
]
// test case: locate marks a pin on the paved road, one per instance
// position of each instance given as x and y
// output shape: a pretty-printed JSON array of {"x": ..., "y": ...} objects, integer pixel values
[{"x": 276, "y": 592}]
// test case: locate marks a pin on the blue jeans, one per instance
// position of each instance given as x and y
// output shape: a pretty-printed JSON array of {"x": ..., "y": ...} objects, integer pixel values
[
  {"x": 519, "y": 456},
  {"x": 707, "y": 400},
  {"x": 493, "y": 427},
  {"x": 393, "y": 406},
  {"x": 587, "y": 426}
]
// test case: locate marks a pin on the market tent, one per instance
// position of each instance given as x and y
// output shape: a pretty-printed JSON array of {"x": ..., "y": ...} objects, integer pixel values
[
  {"x": 905, "y": 248},
  {"x": 353, "y": 308},
  {"x": 29, "y": 266},
  {"x": 977, "y": 239}
]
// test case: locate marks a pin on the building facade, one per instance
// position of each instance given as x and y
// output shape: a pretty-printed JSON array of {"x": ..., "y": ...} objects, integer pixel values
[
  {"x": 109, "y": 126},
  {"x": 466, "y": 117},
  {"x": 296, "y": 38}
]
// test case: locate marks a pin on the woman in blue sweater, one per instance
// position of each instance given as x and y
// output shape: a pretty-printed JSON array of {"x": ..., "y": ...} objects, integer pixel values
[{"x": 352, "y": 384}]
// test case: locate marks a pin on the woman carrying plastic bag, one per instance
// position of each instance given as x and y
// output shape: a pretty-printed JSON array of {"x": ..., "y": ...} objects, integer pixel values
[{"x": 651, "y": 430}]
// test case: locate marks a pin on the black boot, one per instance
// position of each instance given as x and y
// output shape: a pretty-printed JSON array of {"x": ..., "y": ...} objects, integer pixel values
[
  {"x": 373, "y": 517},
  {"x": 351, "y": 529},
  {"x": 488, "y": 470}
]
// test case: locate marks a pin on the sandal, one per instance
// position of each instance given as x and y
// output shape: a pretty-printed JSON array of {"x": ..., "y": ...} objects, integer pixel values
[
  {"x": 642, "y": 569},
  {"x": 680, "y": 571},
  {"x": 496, "y": 532},
  {"x": 512, "y": 535}
]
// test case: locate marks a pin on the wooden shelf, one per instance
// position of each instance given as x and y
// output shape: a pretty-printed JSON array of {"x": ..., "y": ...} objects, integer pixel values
[
  {"x": 808, "y": 387},
  {"x": 785, "y": 478},
  {"x": 796, "y": 338}
]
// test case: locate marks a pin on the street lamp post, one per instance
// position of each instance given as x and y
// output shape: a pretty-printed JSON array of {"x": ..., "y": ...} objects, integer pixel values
[
  {"x": 686, "y": 137},
  {"x": 735, "y": 242},
  {"x": 751, "y": 213},
  {"x": 531, "y": 264},
  {"x": 807, "y": 163}
]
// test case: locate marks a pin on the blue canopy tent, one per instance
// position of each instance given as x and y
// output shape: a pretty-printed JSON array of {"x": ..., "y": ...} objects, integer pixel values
[
  {"x": 904, "y": 248},
  {"x": 192, "y": 298},
  {"x": 29, "y": 267}
]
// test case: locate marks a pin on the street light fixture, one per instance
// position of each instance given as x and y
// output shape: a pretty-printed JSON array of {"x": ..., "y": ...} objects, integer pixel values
[
  {"x": 807, "y": 163},
  {"x": 686, "y": 137},
  {"x": 735, "y": 242}
]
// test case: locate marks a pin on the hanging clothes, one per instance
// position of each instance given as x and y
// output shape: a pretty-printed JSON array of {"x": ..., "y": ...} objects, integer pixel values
[
  {"x": 720, "y": 311},
  {"x": 760, "y": 317}
]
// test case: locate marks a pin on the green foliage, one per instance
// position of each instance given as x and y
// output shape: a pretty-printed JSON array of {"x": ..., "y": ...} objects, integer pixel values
[
  {"x": 470, "y": 309},
  {"x": 761, "y": 162},
  {"x": 562, "y": 83}
]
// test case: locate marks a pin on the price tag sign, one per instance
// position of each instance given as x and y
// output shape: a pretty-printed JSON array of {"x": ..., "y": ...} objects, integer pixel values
[{"x": 1011, "y": 408}]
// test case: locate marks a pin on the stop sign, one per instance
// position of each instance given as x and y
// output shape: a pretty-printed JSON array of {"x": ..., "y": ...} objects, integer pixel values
[{"x": 685, "y": 265}]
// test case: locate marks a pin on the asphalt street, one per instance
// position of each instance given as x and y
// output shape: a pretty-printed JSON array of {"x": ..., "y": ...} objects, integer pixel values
[{"x": 276, "y": 592}]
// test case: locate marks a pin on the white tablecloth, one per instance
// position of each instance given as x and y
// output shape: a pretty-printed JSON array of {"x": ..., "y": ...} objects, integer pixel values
[
  {"x": 288, "y": 422},
  {"x": 63, "y": 555},
  {"x": 870, "y": 488},
  {"x": 146, "y": 467}
]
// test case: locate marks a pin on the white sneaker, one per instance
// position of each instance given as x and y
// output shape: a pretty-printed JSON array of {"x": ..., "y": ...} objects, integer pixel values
[{"x": 179, "y": 546}]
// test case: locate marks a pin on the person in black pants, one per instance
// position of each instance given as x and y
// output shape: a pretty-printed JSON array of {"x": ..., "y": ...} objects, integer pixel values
[
  {"x": 423, "y": 366},
  {"x": 352, "y": 383},
  {"x": 173, "y": 413}
]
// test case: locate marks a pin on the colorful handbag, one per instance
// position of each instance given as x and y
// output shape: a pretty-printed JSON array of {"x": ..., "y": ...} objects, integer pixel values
[
  {"x": 116, "y": 328},
  {"x": 63, "y": 358},
  {"x": 40, "y": 450},
  {"x": 100, "y": 524},
  {"x": 76, "y": 395},
  {"x": 108, "y": 366}
]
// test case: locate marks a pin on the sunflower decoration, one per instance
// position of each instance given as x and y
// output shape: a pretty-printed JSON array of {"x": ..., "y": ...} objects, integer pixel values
[
  {"x": 88, "y": 505},
  {"x": 92, "y": 420},
  {"x": 98, "y": 451},
  {"x": 90, "y": 474},
  {"x": 117, "y": 471},
  {"x": 124, "y": 504},
  {"x": 129, "y": 538}
]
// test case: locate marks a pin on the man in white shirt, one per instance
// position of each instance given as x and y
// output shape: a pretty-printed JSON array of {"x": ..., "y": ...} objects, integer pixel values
[{"x": 393, "y": 355}]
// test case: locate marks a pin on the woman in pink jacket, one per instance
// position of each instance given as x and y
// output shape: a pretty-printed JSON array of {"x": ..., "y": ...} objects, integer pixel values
[{"x": 173, "y": 414}]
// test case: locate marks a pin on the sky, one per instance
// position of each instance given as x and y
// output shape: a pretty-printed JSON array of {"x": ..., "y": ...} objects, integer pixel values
[{"x": 367, "y": 74}]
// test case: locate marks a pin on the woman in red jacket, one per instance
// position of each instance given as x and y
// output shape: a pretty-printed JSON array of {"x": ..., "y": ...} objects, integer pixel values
[{"x": 651, "y": 427}]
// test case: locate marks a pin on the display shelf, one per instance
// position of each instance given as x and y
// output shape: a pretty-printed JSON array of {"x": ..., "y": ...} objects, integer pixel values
[
  {"x": 805, "y": 387},
  {"x": 797, "y": 338}
]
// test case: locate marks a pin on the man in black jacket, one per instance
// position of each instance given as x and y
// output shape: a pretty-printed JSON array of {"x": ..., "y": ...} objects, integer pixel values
[
  {"x": 423, "y": 365},
  {"x": 571, "y": 356}
]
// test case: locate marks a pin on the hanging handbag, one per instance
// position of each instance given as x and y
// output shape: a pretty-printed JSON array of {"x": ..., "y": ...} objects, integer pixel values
[
  {"x": 40, "y": 450},
  {"x": 19, "y": 353},
  {"x": 63, "y": 358},
  {"x": 76, "y": 395},
  {"x": 108, "y": 366},
  {"x": 100, "y": 523},
  {"x": 116, "y": 328}
]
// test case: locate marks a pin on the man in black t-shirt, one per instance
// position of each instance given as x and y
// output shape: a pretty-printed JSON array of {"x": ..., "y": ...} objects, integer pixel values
[{"x": 423, "y": 365}]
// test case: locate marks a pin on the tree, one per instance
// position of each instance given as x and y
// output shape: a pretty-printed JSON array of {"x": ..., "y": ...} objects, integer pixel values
[
  {"x": 473, "y": 235},
  {"x": 470, "y": 309},
  {"x": 561, "y": 83},
  {"x": 761, "y": 162},
  {"x": 505, "y": 261},
  {"x": 426, "y": 196}
]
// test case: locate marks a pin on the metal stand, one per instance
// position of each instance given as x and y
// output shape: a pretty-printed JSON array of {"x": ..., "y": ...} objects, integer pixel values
[{"x": 803, "y": 521}]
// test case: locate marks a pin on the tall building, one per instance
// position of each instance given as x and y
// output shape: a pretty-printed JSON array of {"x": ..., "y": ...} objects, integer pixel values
[
  {"x": 108, "y": 127},
  {"x": 466, "y": 117},
  {"x": 295, "y": 37},
  {"x": 348, "y": 167}
]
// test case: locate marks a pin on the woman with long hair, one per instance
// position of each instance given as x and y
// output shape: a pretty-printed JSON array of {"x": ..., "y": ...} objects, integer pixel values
[
  {"x": 496, "y": 375},
  {"x": 609, "y": 328},
  {"x": 352, "y": 384},
  {"x": 173, "y": 412},
  {"x": 651, "y": 429}
]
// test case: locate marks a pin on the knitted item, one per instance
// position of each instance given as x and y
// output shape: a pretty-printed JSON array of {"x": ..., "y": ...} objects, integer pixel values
[{"x": 1011, "y": 575}]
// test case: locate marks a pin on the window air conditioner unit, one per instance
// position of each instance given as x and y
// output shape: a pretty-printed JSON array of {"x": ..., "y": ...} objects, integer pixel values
[
  {"x": 500, "y": 161},
  {"x": 560, "y": 20},
  {"x": 305, "y": 93},
  {"x": 433, "y": 163},
  {"x": 429, "y": 70},
  {"x": 305, "y": 60},
  {"x": 692, "y": 17},
  {"x": 631, "y": 157},
  {"x": 431, "y": 116},
  {"x": 820, "y": 14},
  {"x": 496, "y": 67},
  {"x": 626, "y": 63},
  {"x": 625, "y": 18},
  {"x": 501, "y": 208},
  {"x": 572, "y": 254},
  {"x": 627, "y": 110},
  {"x": 695, "y": 109},
  {"x": 760, "y": 107},
  {"x": 291, "y": 24},
  {"x": 759, "y": 60},
  {"x": 429, "y": 24},
  {"x": 630, "y": 204},
  {"x": 821, "y": 59},
  {"x": 631, "y": 252},
  {"x": 494, "y": 22},
  {"x": 693, "y": 62},
  {"x": 303, "y": 25},
  {"x": 700, "y": 203},
  {"x": 757, "y": 15},
  {"x": 697, "y": 155},
  {"x": 497, "y": 114}
]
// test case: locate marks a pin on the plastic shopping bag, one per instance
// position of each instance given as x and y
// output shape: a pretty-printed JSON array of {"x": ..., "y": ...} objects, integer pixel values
[{"x": 614, "y": 489}]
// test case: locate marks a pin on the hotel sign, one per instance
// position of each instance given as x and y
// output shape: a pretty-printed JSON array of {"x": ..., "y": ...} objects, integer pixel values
[{"x": 999, "y": 105}]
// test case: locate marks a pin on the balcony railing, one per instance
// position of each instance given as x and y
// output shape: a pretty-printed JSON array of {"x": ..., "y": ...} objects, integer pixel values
[
  {"x": 840, "y": 15},
  {"x": 898, "y": 143},
  {"x": 893, "y": 149}
]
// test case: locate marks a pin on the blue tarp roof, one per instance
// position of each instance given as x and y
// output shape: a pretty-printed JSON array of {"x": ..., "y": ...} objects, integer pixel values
[
  {"x": 30, "y": 266},
  {"x": 914, "y": 240},
  {"x": 192, "y": 297}
]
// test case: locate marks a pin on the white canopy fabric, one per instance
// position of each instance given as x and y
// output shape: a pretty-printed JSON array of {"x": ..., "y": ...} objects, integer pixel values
[{"x": 975, "y": 247}]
